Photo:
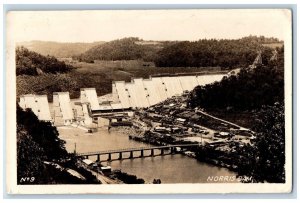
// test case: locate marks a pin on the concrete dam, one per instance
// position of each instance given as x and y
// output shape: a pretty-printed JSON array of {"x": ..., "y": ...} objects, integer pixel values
[
  {"x": 141, "y": 93},
  {"x": 125, "y": 96}
]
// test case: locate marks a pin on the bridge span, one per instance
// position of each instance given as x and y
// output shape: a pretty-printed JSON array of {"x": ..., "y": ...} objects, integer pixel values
[{"x": 172, "y": 149}]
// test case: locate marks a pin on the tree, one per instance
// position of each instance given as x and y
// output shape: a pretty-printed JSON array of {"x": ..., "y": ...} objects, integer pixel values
[
  {"x": 122, "y": 49},
  {"x": 249, "y": 90},
  {"x": 30, "y": 157},
  {"x": 32, "y": 63},
  {"x": 204, "y": 53},
  {"x": 265, "y": 160},
  {"x": 42, "y": 133}
]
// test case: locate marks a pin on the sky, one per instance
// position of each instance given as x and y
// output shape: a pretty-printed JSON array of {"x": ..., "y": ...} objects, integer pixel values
[{"x": 195, "y": 24}]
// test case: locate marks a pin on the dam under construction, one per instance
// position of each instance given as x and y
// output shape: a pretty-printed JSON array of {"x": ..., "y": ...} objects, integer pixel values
[{"x": 91, "y": 111}]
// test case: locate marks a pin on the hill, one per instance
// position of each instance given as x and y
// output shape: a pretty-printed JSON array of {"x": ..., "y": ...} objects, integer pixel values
[
  {"x": 32, "y": 63},
  {"x": 249, "y": 89},
  {"x": 131, "y": 48},
  {"x": 211, "y": 52},
  {"x": 58, "y": 49}
]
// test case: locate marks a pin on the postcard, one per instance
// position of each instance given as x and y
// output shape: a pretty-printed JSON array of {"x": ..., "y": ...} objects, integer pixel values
[{"x": 177, "y": 101}]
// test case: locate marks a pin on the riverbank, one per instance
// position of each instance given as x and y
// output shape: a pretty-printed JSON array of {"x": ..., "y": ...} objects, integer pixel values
[
  {"x": 172, "y": 122},
  {"x": 126, "y": 178}
]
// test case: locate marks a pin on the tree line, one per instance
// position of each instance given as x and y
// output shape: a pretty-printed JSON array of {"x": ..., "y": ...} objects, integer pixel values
[{"x": 202, "y": 53}]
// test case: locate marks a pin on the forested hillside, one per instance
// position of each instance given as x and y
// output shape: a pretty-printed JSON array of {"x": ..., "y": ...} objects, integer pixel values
[
  {"x": 32, "y": 63},
  {"x": 58, "y": 49},
  {"x": 250, "y": 89},
  {"x": 47, "y": 84},
  {"x": 41, "y": 154},
  {"x": 202, "y": 53},
  {"x": 223, "y": 53},
  {"x": 123, "y": 49}
]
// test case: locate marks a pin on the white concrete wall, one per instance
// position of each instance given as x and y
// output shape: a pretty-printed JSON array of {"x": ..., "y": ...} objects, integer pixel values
[
  {"x": 65, "y": 105},
  {"x": 87, "y": 119},
  {"x": 63, "y": 109},
  {"x": 22, "y": 103},
  {"x": 188, "y": 83},
  {"x": 141, "y": 93},
  {"x": 152, "y": 93},
  {"x": 31, "y": 103},
  {"x": 208, "y": 79},
  {"x": 115, "y": 97},
  {"x": 43, "y": 108},
  {"x": 133, "y": 100},
  {"x": 122, "y": 94},
  {"x": 58, "y": 117},
  {"x": 116, "y": 106},
  {"x": 146, "y": 92},
  {"x": 38, "y": 104},
  {"x": 176, "y": 86},
  {"x": 159, "y": 88},
  {"x": 89, "y": 95},
  {"x": 168, "y": 84}
]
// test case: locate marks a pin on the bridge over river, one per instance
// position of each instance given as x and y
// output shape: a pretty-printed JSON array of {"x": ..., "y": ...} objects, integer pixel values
[{"x": 171, "y": 148}]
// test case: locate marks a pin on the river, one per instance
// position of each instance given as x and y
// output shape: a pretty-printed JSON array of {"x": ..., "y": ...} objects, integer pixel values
[{"x": 168, "y": 168}]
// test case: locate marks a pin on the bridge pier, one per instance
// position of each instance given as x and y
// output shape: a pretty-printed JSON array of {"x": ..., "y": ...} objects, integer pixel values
[
  {"x": 152, "y": 152},
  {"x": 98, "y": 158},
  {"x": 142, "y": 153},
  {"x": 109, "y": 157},
  {"x": 131, "y": 155},
  {"x": 172, "y": 150},
  {"x": 86, "y": 156},
  {"x": 120, "y": 155},
  {"x": 162, "y": 151}
]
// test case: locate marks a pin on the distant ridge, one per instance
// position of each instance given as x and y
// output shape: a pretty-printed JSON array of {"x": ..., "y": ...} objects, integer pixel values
[{"x": 58, "y": 49}]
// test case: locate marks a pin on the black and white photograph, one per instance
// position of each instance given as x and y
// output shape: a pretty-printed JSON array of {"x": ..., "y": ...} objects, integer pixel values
[{"x": 149, "y": 101}]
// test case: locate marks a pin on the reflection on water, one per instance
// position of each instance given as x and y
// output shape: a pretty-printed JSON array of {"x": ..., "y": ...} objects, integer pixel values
[{"x": 169, "y": 168}]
